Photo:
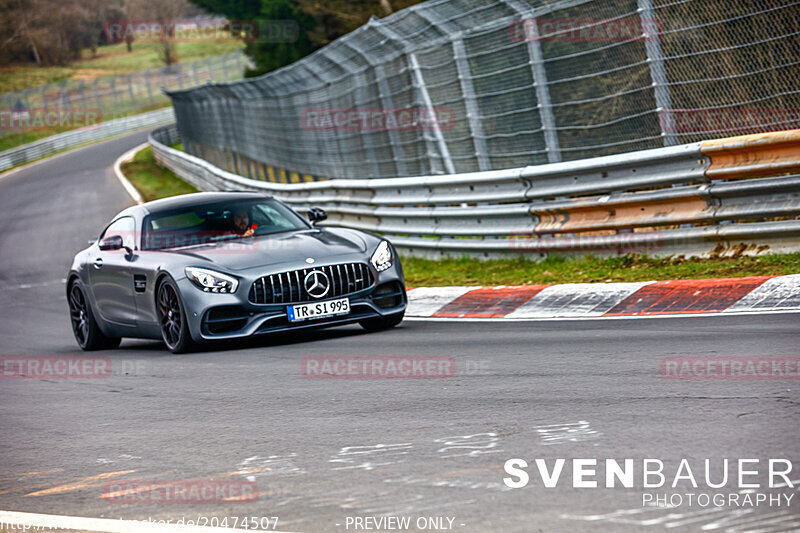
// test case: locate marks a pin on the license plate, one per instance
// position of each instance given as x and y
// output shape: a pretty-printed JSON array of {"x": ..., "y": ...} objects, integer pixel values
[{"x": 298, "y": 313}]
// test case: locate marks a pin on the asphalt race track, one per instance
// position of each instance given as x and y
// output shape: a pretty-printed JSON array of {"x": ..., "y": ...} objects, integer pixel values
[{"x": 323, "y": 450}]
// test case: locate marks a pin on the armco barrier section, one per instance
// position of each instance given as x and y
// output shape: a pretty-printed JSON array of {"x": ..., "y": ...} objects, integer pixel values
[
  {"x": 665, "y": 201},
  {"x": 69, "y": 139}
]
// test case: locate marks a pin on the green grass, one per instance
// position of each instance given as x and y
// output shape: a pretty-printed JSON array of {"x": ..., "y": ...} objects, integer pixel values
[
  {"x": 157, "y": 182},
  {"x": 114, "y": 59},
  {"x": 111, "y": 59},
  {"x": 151, "y": 180},
  {"x": 589, "y": 269}
]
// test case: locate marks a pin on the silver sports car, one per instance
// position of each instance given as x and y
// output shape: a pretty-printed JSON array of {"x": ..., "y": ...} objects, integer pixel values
[{"x": 221, "y": 265}]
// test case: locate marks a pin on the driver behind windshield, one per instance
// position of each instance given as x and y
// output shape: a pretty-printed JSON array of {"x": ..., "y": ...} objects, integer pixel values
[{"x": 241, "y": 224}]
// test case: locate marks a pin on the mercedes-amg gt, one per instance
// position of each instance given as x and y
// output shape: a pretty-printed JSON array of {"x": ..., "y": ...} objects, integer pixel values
[{"x": 221, "y": 265}]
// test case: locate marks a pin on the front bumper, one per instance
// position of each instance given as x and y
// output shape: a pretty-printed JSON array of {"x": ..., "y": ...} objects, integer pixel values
[{"x": 231, "y": 316}]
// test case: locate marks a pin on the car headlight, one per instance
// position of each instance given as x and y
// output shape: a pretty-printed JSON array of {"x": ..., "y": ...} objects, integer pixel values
[
  {"x": 382, "y": 258},
  {"x": 211, "y": 281}
]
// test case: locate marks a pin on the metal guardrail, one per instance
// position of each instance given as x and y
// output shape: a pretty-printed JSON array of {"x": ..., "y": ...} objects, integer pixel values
[
  {"x": 665, "y": 201},
  {"x": 70, "y": 139}
]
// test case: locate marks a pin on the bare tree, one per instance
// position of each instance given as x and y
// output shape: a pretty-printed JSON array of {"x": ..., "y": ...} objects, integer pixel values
[{"x": 166, "y": 13}]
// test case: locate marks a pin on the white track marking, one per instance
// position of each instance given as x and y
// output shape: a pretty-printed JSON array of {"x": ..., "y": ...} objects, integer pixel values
[
  {"x": 576, "y": 300},
  {"x": 774, "y": 294},
  {"x": 124, "y": 158},
  {"x": 425, "y": 301},
  {"x": 42, "y": 522},
  {"x": 41, "y": 284}
]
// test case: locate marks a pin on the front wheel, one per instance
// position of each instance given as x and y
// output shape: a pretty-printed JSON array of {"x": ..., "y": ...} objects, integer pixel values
[
  {"x": 381, "y": 323},
  {"x": 84, "y": 325},
  {"x": 172, "y": 318}
]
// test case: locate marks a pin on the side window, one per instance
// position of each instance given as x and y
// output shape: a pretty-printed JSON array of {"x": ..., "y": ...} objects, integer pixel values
[{"x": 124, "y": 228}]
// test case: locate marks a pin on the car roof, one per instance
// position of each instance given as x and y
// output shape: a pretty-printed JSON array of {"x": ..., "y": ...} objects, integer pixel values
[{"x": 197, "y": 198}]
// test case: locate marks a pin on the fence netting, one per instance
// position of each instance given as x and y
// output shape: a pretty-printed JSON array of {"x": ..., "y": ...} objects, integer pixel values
[{"x": 468, "y": 85}]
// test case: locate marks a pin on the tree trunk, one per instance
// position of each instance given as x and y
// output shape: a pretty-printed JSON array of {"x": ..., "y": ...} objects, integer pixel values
[{"x": 36, "y": 54}]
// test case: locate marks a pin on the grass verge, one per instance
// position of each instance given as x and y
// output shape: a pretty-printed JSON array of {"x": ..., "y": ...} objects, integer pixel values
[
  {"x": 110, "y": 59},
  {"x": 151, "y": 180},
  {"x": 590, "y": 269},
  {"x": 154, "y": 182}
]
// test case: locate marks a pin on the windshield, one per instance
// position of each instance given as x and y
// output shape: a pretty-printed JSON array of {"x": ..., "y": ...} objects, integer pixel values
[{"x": 220, "y": 221}]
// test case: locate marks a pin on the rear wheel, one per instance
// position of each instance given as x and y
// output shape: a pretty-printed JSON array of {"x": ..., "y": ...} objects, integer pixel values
[
  {"x": 381, "y": 323},
  {"x": 172, "y": 318},
  {"x": 84, "y": 325}
]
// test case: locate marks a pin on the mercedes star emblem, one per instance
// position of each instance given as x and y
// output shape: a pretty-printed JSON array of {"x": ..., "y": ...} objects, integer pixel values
[{"x": 317, "y": 283}]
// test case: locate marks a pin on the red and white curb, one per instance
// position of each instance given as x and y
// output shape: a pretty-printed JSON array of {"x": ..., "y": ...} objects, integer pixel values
[
  {"x": 125, "y": 158},
  {"x": 594, "y": 300}
]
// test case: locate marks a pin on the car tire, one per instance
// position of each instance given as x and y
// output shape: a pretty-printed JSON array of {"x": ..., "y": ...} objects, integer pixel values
[
  {"x": 172, "y": 318},
  {"x": 84, "y": 326},
  {"x": 381, "y": 323}
]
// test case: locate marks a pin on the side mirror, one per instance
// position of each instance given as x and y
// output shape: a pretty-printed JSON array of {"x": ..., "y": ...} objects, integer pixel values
[
  {"x": 114, "y": 242},
  {"x": 316, "y": 214},
  {"x": 109, "y": 244}
]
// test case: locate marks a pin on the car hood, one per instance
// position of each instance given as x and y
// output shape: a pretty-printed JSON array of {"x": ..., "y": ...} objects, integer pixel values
[{"x": 243, "y": 254}]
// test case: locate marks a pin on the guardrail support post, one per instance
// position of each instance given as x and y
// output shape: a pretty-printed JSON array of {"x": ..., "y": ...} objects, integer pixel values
[
  {"x": 465, "y": 79},
  {"x": 114, "y": 94},
  {"x": 539, "y": 73},
  {"x": 426, "y": 99},
  {"x": 399, "y": 154},
  {"x": 44, "y": 98},
  {"x": 471, "y": 103},
  {"x": 420, "y": 83},
  {"x": 543, "y": 95},
  {"x": 658, "y": 73},
  {"x": 98, "y": 99},
  {"x": 130, "y": 89},
  {"x": 366, "y": 135},
  {"x": 149, "y": 87}
]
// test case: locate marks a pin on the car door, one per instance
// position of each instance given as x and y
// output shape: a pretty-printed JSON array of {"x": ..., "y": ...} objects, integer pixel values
[{"x": 111, "y": 276}]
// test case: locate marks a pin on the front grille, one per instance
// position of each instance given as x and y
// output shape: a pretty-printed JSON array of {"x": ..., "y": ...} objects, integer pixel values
[{"x": 287, "y": 287}]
